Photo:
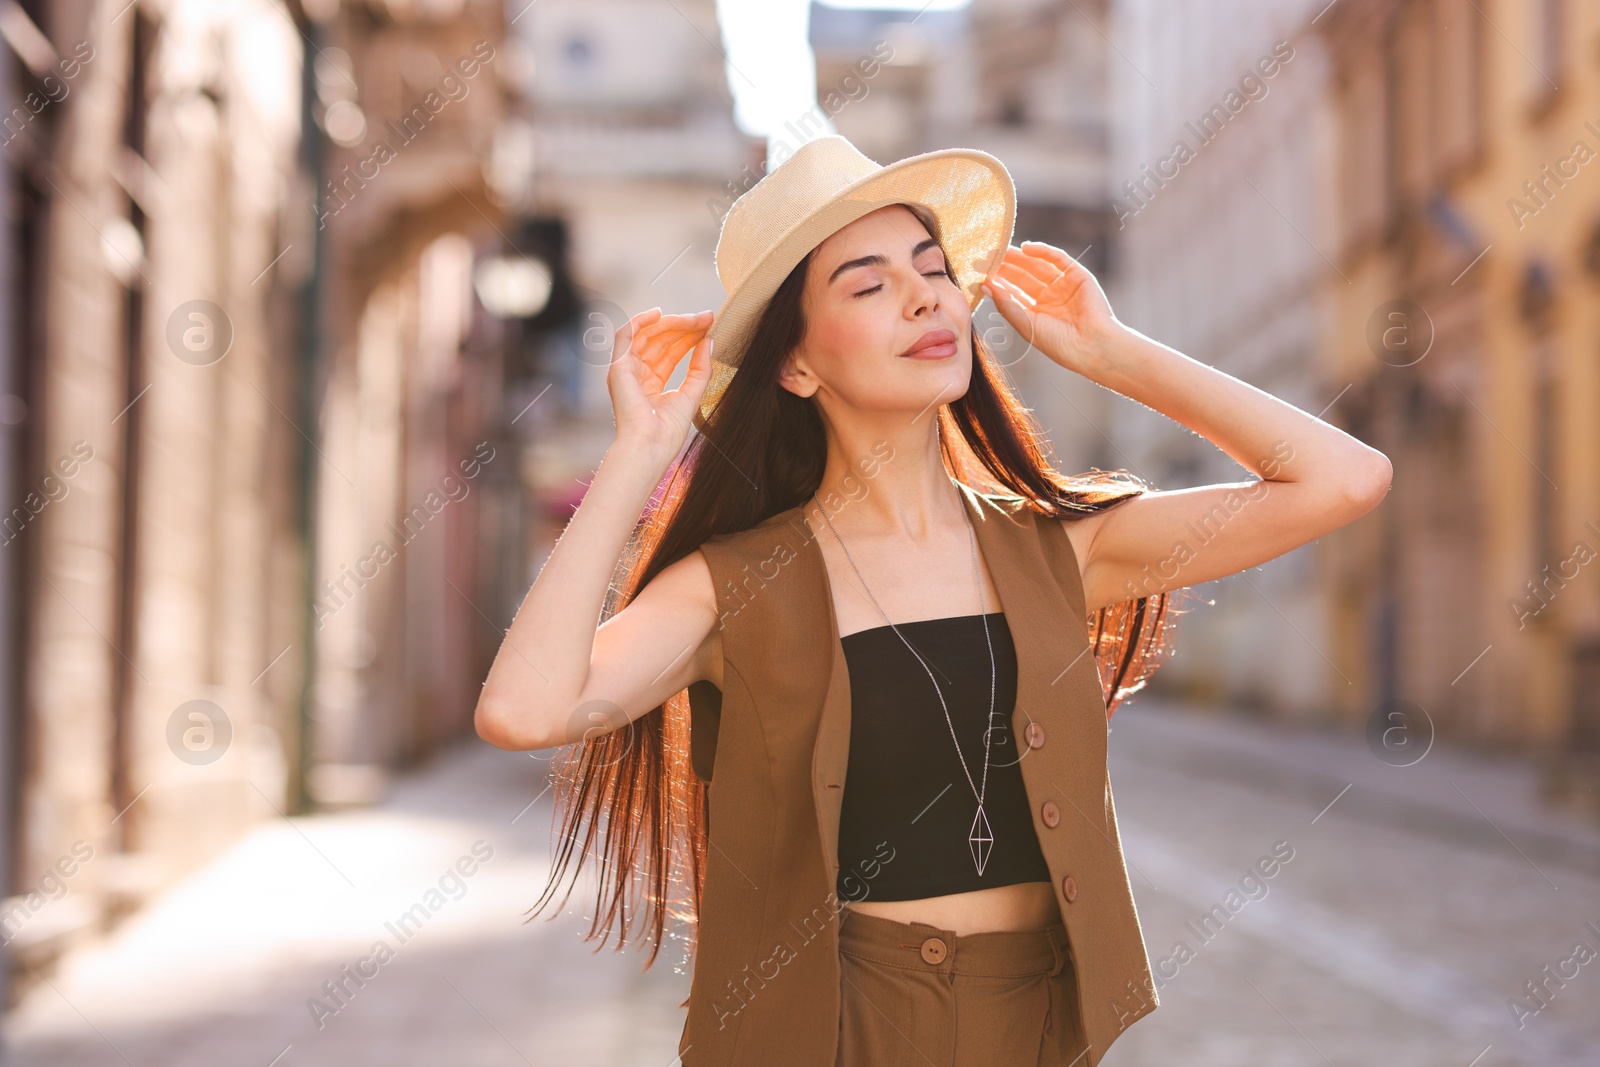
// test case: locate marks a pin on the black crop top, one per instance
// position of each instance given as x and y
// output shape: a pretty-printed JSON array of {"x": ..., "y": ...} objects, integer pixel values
[{"x": 908, "y": 809}]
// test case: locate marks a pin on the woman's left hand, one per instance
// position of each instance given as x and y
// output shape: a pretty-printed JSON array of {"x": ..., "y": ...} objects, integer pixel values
[{"x": 1054, "y": 302}]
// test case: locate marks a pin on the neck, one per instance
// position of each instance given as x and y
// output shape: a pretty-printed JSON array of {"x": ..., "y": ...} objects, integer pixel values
[{"x": 889, "y": 479}]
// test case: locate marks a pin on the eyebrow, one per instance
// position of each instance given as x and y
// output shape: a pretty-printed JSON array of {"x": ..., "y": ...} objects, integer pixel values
[{"x": 878, "y": 260}]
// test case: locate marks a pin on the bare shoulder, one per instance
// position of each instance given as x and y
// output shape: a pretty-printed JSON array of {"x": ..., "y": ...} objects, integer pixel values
[
  {"x": 1083, "y": 530},
  {"x": 1079, "y": 527}
]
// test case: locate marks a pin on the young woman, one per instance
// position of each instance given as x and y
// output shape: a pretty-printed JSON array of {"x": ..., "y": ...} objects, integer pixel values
[{"x": 866, "y": 415}]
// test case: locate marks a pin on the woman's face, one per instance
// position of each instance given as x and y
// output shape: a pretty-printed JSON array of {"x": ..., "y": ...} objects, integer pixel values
[{"x": 886, "y": 328}]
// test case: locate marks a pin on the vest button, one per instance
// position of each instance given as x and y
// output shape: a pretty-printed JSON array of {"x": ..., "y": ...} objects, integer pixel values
[
  {"x": 1034, "y": 735},
  {"x": 1050, "y": 813},
  {"x": 1069, "y": 888},
  {"x": 933, "y": 951}
]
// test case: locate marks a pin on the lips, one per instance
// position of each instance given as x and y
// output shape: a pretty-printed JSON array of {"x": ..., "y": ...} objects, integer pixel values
[{"x": 935, "y": 344}]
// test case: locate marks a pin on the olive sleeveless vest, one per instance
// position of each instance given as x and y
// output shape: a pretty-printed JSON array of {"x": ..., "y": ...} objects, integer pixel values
[{"x": 774, "y": 743}]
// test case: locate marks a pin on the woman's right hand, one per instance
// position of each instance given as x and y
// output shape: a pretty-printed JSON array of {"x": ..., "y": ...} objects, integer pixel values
[{"x": 644, "y": 354}]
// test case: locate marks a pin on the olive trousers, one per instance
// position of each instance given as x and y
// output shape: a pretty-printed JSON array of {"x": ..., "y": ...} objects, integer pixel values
[{"x": 914, "y": 995}]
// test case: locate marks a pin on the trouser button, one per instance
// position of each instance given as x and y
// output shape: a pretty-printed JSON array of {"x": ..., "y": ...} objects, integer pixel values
[{"x": 933, "y": 950}]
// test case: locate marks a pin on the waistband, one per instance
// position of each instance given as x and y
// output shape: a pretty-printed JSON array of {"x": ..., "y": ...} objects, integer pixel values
[{"x": 934, "y": 950}]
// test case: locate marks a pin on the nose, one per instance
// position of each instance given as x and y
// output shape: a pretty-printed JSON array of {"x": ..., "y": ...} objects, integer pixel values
[{"x": 924, "y": 298}]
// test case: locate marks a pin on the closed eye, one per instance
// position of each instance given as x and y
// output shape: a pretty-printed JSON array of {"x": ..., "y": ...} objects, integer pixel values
[{"x": 925, "y": 274}]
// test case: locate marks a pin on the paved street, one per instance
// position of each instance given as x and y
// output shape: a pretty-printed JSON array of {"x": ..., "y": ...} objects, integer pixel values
[
  {"x": 220, "y": 971},
  {"x": 1413, "y": 905},
  {"x": 1413, "y": 909}
]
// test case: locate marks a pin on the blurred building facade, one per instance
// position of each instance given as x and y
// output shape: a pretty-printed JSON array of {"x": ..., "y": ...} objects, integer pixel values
[
  {"x": 1409, "y": 598},
  {"x": 1469, "y": 242},
  {"x": 151, "y": 475},
  {"x": 1387, "y": 226},
  {"x": 257, "y": 468},
  {"x": 415, "y": 471},
  {"x": 623, "y": 137},
  {"x": 1219, "y": 230}
]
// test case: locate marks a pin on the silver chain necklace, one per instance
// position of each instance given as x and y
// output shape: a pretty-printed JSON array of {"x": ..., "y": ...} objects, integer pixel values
[{"x": 980, "y": 838}]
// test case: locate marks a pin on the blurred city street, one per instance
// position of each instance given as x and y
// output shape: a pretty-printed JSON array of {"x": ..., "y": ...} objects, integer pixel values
[
  {"x": 1415, "y": 903},
  {"x": 307, "y": 323},
  {"x": 223, "y": 968}
]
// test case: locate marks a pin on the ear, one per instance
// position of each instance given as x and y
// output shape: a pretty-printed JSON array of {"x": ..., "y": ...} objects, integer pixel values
[{"x": 795, "y": 377}]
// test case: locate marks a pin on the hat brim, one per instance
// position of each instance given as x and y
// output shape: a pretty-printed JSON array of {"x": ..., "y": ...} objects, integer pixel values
[{"x": 968, "y": 192}]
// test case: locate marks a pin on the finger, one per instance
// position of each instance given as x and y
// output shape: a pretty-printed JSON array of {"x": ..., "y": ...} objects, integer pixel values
[
  {"x": 1007, "y": 295},
  {"x": 642, "y": 319},
  {"x": 625, "y": 334},
  {"x": 1039, "y": 267},
  {"x": 669, "y": 325},
  {"x": 664, "y": 360},
  {"x": 650, "y": 351},
  {"x": 651, "y": 339},
  {"x": 1022, "y": 280},
  {"x": 1053, "y": 254},
  {"x": 663, "y": 352},
  {"x": 682, "y": 322},
  {"x": 698, "y": 376},
  {"x": 681, "y": 345}
]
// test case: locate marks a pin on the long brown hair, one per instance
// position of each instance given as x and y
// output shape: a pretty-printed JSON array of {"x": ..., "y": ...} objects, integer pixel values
[{"x": 762, "y": 451}]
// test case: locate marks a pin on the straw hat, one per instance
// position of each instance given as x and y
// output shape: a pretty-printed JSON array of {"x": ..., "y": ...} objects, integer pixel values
[{"x": 828, "y": 184}]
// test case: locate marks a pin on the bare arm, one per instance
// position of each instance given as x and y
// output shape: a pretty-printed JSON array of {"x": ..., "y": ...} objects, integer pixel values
[
  {"x": 1314, "y": 477},
  {"x": 559, "y": 673}
]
